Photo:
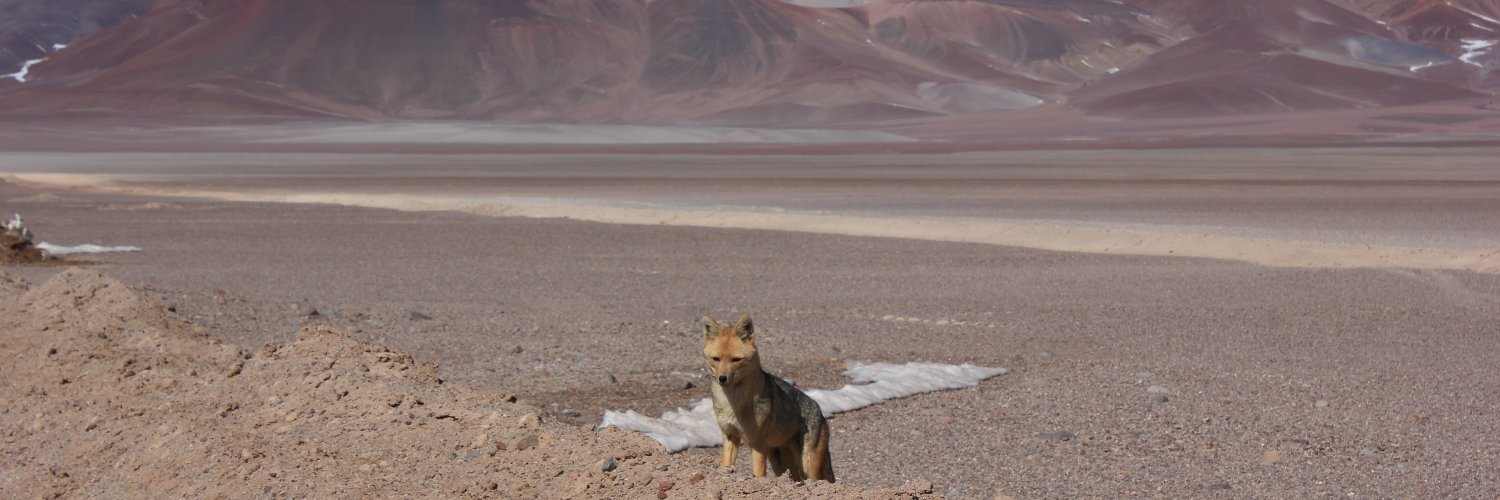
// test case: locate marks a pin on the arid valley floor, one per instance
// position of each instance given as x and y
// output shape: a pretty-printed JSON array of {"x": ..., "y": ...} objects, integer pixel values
[{"x": 1212, "y": 322}]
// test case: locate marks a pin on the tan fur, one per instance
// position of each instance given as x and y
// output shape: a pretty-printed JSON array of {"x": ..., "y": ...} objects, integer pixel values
[{"x": 783, "y": 428}]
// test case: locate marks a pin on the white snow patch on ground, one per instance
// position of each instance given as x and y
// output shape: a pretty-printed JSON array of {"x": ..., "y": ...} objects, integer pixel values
[
  {"x": 58, "y": 250},
  {"x": 1478, "y": 15},
  {"x": 873, "y": 384},
  {"x": 1473, "y": 48},
  {"x": 20, "y": 76},
  {"x": 17, "y": 226}
]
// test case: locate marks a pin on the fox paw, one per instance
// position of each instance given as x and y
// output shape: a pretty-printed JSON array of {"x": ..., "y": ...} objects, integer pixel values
[{"x": 727, "y": 469}]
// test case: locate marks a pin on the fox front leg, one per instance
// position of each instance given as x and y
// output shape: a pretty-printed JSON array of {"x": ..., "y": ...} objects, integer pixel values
[
  {"x": 757, "y": 463},
  {"x": 731, "y": 450}
]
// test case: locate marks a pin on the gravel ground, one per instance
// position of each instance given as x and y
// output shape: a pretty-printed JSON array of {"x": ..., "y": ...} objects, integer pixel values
[
  {"x": 110, "y": 394},
  {"x": 1132, "y": 376}
]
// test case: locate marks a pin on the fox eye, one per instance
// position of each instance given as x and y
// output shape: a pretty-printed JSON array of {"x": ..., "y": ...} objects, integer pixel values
[
  {"x": 715, "y": 358},
  {"x": 735, "y": 360}
]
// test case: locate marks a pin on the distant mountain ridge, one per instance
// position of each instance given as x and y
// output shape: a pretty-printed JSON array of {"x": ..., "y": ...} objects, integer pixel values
[{"x": 794, "y": 63}]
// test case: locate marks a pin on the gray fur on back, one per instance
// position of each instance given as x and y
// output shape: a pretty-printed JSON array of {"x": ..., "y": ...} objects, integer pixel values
[{"x": 812, "y": 414}]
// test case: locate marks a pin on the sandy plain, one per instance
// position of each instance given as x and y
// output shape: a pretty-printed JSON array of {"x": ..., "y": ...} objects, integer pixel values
[{"x": 1250, "y": 322}]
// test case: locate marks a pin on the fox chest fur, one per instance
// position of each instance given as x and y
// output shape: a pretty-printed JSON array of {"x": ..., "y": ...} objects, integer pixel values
[{"x": 757, "y": 411}]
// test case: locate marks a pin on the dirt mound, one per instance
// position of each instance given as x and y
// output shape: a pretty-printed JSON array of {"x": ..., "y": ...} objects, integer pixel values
[
  {"x": 110, "y": 394},
  {"x": 18, "y": 250},
  {"x": 17, "y": 242},
  {"x": 18, "y": 247}
]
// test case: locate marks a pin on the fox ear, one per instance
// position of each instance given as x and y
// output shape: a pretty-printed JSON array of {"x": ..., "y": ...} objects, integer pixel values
[
  {"x": 710, "y": 327},
  {"x": 744, "y": 328}
]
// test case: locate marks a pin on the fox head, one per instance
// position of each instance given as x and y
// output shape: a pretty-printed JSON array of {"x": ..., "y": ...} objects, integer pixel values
[{"x": 730, "y": 352}]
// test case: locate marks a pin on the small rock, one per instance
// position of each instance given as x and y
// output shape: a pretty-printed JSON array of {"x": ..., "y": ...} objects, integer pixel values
[
  {"x": 1322, "y": 403},
  {"x": 1218, "y": 486},
  {"x": 1159, "y": 398},
  {"x": 1270, "y": 457},
  {"x": 529, "y": 420},
  {"x": 1156, "y": 389},
  {"x": 608, "y": 464},
  {"x": 479, "y": 441},
  {"x": 517, "y": 350},
  {"x": 662, "y": 467},
  {"x": 1143, "y": 374},
  {"x": 492, "y": 486},
  {"x": 416, "y": 316},
  {"x": 569, "y": 412},
  {"x": 610, "y": 379},
  {"x": 1367, "y": 452},
  {"x": 688, "y": 386},
  {"x": 1059, "y": 436},
  {"x": 528, "y": 442},
  {"x": 697, "y": 478}
]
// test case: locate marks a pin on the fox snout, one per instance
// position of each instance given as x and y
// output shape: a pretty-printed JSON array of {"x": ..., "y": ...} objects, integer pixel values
[{"x": 722, "y": 370}]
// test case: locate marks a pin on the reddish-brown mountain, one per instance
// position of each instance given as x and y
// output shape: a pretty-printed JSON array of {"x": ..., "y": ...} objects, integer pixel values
[{"x": 764, "y": 62}]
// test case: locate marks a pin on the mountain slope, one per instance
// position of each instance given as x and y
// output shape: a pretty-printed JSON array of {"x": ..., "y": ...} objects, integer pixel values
[
  {"x": 860, "y": 63},
  {"x": 563, "y": 60},
  {"x": 1264, "y": 57},
  {"x": 33, "y": 29}
]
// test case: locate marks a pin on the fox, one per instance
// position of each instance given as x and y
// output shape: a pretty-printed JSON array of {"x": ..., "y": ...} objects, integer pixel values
[{"x": 783, "y": 427}]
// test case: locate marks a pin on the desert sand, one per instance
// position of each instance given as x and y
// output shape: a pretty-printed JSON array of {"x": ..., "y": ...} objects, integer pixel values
[
  {"x": 1236, "y": 204},
  {"x": 572, "y": 283}
]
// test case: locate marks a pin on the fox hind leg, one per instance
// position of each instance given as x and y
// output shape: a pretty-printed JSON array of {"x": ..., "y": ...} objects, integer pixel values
[{"x": 816, "y": 461}]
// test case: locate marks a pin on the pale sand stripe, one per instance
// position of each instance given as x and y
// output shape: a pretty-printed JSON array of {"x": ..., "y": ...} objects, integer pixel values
[{"x": 1038, "y": 235}]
